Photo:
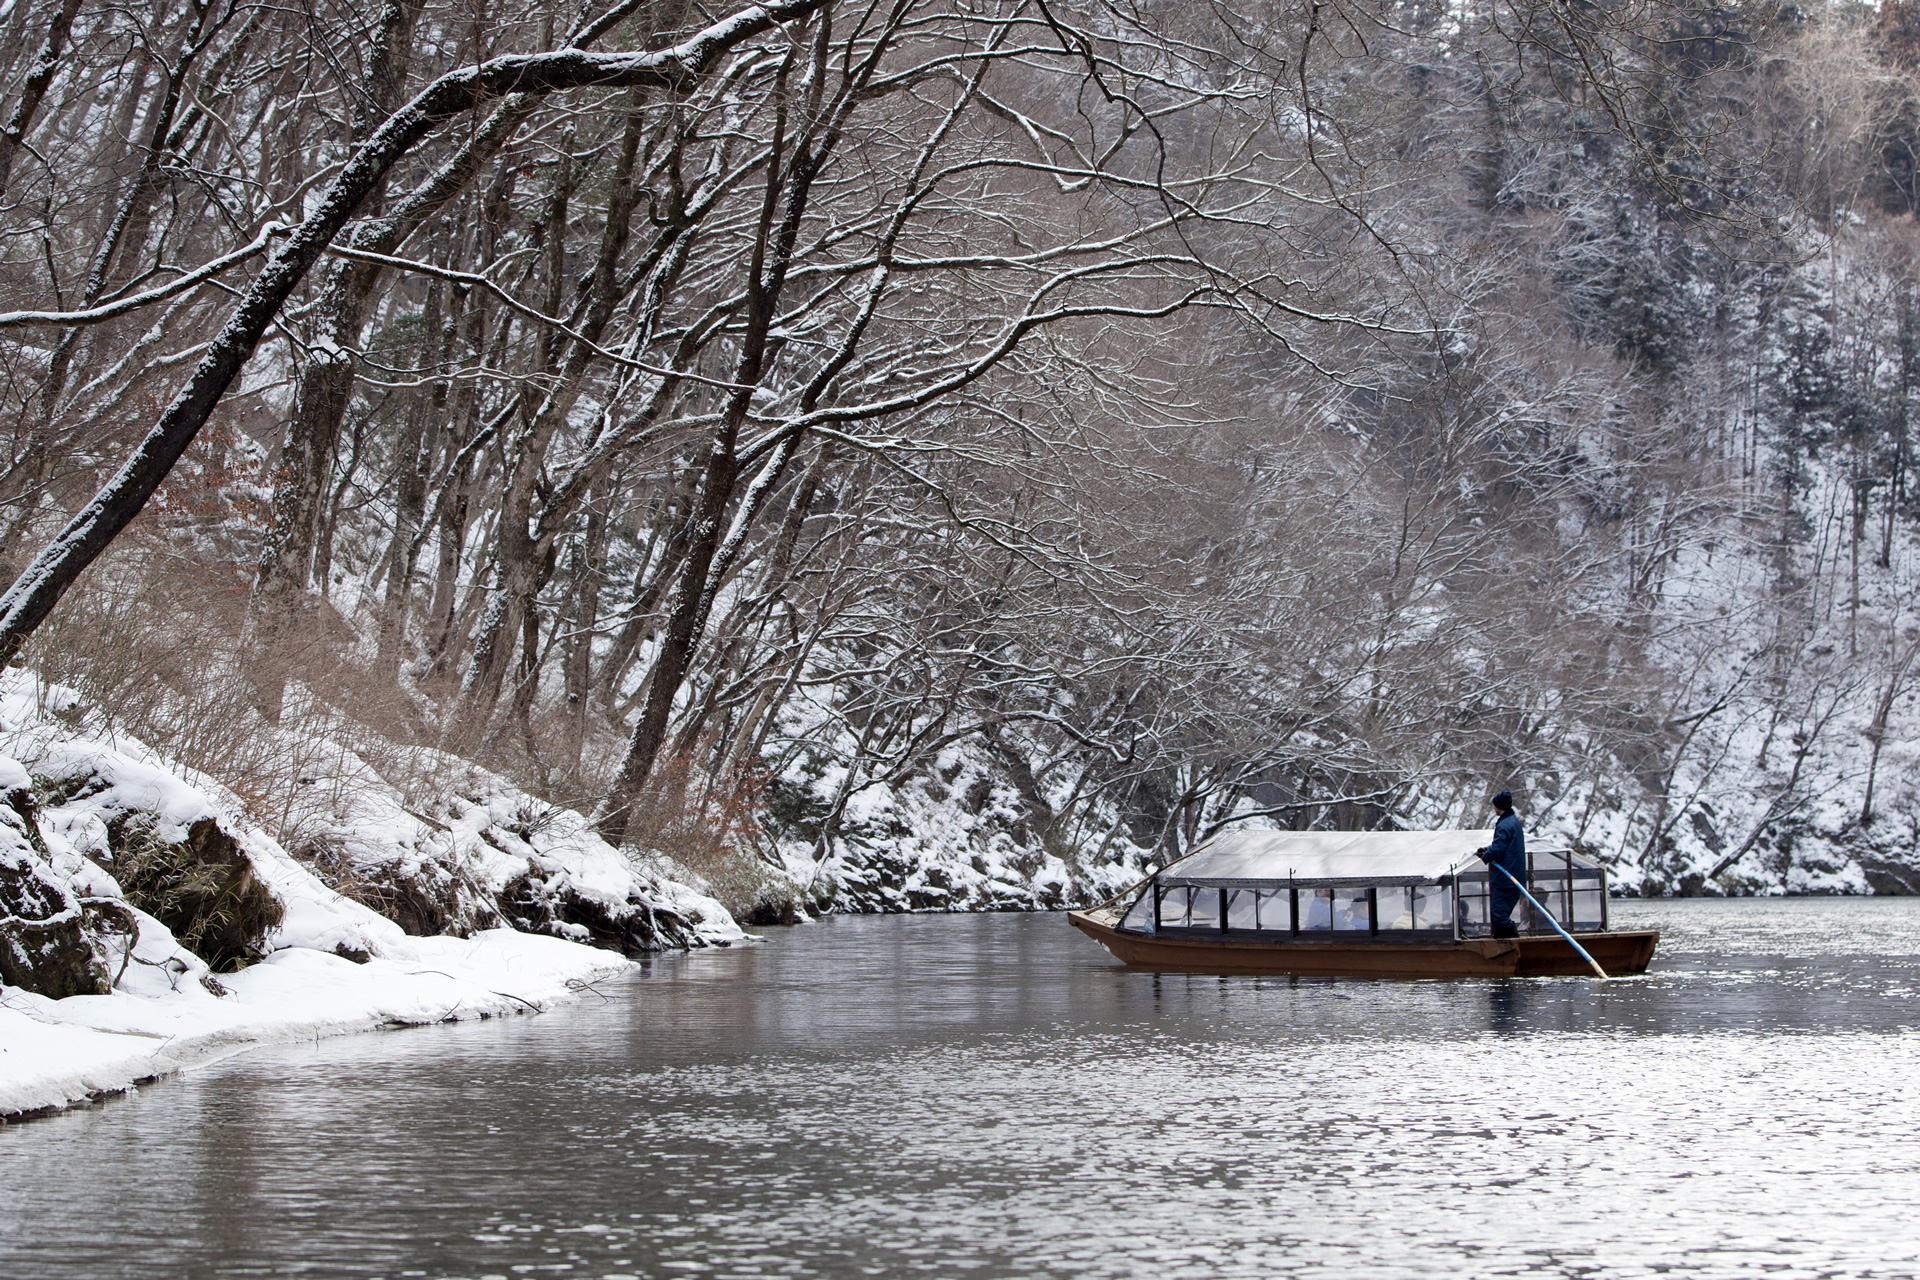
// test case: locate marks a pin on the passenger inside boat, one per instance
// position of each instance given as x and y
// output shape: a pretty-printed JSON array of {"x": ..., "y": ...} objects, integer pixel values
[
  {"x": 1412, "y": 907},
  {"x": 1317, "y": 911},
  {"x": 1354, "y": 913}
]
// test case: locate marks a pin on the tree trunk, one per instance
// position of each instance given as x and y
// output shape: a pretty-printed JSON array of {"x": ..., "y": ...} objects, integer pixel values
[
  {"x": 516, "y": 550},
  {"x": 454, "y": 509},
  {"x": 35, "y": 88},
  {"x": 582, "y": 615},
  {"x": 651, "y": 584},
  {"x": 326, "y": 385},
  {"x": 765, "y": 277},
  {"x": 418, "y": 445}
]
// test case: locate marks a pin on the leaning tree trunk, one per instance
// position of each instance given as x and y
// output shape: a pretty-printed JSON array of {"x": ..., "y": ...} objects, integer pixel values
[
  {"x": 583, "y": 614},
  {"x": 418, "y": 445},
  {"x": 677, "y": 643}
]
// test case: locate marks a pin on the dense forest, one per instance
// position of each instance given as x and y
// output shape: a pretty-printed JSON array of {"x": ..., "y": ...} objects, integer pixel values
[{"x": 952, "y": 454}]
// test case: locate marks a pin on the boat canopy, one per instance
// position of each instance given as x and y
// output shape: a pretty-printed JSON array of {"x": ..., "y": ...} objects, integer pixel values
[{"x": 1245, "y": 859}]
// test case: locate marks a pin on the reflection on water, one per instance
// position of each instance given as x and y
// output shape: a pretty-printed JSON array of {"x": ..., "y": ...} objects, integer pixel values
[{"x": 992, "y": 1096}]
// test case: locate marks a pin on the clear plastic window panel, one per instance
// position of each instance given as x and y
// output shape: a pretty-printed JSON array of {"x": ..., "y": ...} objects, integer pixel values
[
  {"x": 1571, "y": 892},
  {"x": 1589, "y": 900},
  {"x": 1415, "y": 907},
  {"x": 1276, "y": 910},
  {"x": 1205, "y": 911},
  {"x": 1243, "y": 910},
  {"x": 1395, "y": 903},
  {"x": 1471, "y": 911},
  {"x": 1574, "y": 895},
  {"x": 1432, "y": 907},
  {"x": 1553, "y": 889}
]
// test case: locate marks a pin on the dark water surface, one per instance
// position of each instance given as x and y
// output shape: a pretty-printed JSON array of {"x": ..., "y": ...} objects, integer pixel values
[{"x": 992, "y": 1096}]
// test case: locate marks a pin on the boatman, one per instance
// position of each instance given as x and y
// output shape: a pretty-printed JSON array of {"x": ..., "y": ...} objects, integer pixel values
[{"x": 1508, "y": 849}]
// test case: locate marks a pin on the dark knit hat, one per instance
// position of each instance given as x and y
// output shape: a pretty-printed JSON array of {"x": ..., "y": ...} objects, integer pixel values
[{"x": 1504, "y": 802}]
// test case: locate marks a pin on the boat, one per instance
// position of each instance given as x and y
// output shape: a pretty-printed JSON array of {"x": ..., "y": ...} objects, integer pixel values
[{"x": 1376, "y": 904}]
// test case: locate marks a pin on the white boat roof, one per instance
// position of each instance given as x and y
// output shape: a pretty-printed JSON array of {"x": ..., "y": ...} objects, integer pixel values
[{"x": 1330, "y": 857}]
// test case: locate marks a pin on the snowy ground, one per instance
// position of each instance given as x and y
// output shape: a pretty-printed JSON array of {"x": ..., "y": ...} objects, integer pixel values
[
  {"x": 69, "y": 794},
  {"x": 55, "y": 1052}
]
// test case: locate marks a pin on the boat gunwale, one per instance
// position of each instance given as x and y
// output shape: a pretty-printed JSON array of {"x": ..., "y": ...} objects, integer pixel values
[{"x": 1432, "y": 940}]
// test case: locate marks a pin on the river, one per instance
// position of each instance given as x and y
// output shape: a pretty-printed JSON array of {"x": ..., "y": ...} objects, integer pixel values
[{"x": 991, "y": 1096}]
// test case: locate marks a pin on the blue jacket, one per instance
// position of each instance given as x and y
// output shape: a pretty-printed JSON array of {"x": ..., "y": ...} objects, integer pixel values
[{"x": 1508, "y": 846}]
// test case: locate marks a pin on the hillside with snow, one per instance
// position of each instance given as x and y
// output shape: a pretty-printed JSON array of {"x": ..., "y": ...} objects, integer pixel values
[{"x": 150, "y": 923}]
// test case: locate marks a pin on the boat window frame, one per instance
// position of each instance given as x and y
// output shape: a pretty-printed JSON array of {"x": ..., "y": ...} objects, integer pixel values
[{"x": 1581, "y": 875}]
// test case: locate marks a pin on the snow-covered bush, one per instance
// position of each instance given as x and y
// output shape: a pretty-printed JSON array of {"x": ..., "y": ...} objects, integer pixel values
[{"x": 116, "y": 825}]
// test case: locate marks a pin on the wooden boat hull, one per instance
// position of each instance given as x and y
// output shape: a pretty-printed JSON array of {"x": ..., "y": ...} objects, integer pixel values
[{"x": 1620, "y": 954}]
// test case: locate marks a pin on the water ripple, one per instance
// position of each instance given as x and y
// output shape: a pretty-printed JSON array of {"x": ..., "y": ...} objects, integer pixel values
[{"x": 991, "y": 1097}]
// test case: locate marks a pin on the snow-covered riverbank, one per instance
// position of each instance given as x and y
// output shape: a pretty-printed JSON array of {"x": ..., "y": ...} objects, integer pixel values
[
  {"x": 147, "y": 924},
  {"x": 56, "y": 1052}
]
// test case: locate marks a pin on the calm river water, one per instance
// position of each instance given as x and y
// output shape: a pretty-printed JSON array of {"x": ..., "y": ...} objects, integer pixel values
[{"x": 991, "y": 1096}]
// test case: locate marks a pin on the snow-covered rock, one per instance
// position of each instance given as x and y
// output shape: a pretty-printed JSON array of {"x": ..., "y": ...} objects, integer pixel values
[
  {"x": 484, "y": 854},
  {"x": 121, "y": 849}
]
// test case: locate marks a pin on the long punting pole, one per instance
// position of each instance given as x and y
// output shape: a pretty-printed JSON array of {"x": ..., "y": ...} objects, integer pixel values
[{"x": 1550, "y": 920}]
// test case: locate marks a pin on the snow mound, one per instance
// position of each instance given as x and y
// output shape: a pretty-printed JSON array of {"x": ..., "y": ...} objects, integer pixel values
[
  {"x": 80, "y": 806},
  {"x": 162, "y": 1017}
]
